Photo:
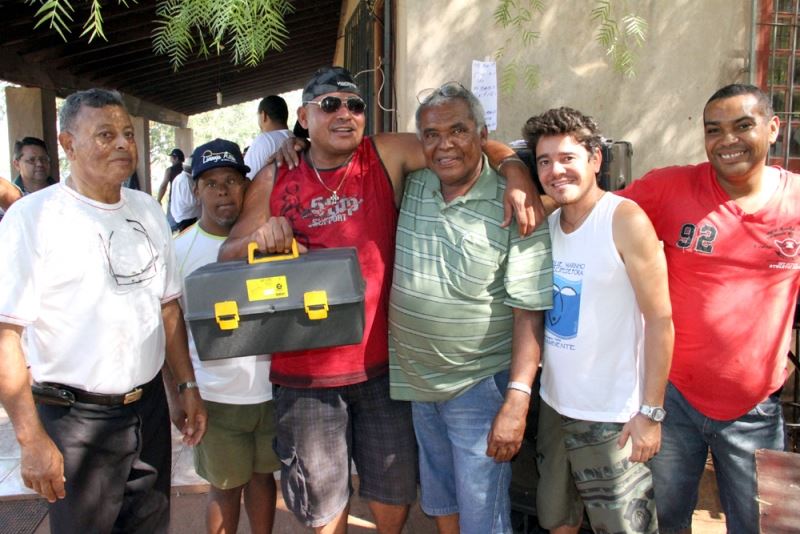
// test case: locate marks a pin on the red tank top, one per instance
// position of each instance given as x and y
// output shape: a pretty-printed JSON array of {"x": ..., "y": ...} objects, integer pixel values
[{"x": 364, "y": 216}]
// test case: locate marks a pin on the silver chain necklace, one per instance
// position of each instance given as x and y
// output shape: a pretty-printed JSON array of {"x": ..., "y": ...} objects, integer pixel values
[{"x": 334, "y": 192}]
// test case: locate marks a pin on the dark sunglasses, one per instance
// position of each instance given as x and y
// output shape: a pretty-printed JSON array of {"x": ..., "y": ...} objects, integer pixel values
[{"x": 331, "y": 104}]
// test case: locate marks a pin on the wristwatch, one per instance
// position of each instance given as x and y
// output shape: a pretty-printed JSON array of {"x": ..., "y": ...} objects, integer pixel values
[{"x": 654, "y": 413}]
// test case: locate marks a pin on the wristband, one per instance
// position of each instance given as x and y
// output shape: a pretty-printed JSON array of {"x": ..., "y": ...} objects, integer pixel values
[
  {"x": 187, "y": 385},
  {"x": 519, "y": 386},
  {"x": 506, "y": 160}
]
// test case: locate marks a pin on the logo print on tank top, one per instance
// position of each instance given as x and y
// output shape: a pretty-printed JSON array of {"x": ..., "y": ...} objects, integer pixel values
[{"x": 562, "y": 320}]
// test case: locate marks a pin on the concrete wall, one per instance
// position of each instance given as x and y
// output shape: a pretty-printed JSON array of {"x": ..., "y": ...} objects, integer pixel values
[{"x": 692, "y": 49}]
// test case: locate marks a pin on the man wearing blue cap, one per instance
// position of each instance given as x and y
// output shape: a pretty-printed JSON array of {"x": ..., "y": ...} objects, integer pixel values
[{"x": 236, "y": 454}]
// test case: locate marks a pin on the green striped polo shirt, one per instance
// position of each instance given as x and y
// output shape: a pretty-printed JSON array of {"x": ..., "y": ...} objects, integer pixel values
[{"x": 457, "y": 276}]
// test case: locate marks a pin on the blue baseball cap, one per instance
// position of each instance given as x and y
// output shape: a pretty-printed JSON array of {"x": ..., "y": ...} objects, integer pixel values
[{"x": 217, "y": 153}]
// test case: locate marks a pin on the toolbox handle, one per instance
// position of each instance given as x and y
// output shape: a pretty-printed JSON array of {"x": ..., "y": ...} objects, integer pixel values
[{"x": 253, "y": 246}]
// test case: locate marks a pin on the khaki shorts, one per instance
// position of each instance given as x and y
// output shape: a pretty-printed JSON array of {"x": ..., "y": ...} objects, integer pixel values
[{"x": 237, "y": 444}]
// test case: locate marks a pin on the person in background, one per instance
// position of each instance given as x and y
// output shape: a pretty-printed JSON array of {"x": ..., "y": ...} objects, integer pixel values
[
  {"x": 184, "y": 204},
  {"x": 272, "y": 117},
  {"x": 32, "y": 163},
  {"x": 176, "y": 158},
  {"x": 236, "y": 454}
]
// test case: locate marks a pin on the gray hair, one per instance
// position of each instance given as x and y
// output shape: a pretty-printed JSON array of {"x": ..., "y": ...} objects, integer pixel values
[
  {"x": 446, "y": 93},
  {"x": 93, "y": 98}
]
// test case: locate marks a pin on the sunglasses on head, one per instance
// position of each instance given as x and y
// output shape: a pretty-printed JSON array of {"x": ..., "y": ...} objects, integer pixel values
[{"x": 331, "y": 104}]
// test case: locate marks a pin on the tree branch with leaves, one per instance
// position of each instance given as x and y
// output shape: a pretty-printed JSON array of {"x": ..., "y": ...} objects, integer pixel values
[
  {"x": 619, "y": 39},
  {"x": 249, "y": 29}
]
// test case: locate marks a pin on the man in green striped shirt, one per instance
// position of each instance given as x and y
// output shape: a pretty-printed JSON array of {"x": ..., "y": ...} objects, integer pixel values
[{"x": 466, "y": 314}]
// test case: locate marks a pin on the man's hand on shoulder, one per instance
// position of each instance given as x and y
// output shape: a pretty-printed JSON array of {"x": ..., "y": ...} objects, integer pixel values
[
  {"x": 521, "y": 198},
  {"x": 288, "y": 152}
]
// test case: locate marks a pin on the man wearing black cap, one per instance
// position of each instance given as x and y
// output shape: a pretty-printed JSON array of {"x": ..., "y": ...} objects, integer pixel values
[
  {"x": 333, "y": 404},
  {"x": 176, "y": 158}
]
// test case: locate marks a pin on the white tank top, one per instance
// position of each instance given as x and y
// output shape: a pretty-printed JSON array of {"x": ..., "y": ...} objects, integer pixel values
[{"x": 593, "y": 357}]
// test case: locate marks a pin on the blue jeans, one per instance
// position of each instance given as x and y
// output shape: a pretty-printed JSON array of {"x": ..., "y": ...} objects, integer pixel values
[
  {"x": 685, "y": 439},
  {"x": 456, "y": 476}
]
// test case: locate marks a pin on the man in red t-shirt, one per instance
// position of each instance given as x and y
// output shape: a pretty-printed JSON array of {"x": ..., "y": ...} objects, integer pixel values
[
  {"x": 332, "y": 405},
  {"x": 730, "y": 229}
]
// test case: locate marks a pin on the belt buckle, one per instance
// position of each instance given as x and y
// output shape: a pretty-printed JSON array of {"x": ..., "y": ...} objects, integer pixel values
[{"x": 132, "y": 396}]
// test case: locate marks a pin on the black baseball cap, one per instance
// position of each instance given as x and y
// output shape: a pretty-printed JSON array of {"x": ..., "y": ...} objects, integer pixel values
[
  {"x": 330, "y": 80},
  {"x": 217, "y": 153}
]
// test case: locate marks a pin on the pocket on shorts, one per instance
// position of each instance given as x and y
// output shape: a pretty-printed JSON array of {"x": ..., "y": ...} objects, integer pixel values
[
  {"x": 293, "y": 480},
  {"x": 500, "y": 381},
  {"x": 771, "y": 406}
]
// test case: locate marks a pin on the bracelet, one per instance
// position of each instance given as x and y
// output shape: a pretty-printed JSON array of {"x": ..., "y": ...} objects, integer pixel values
[
  {"x": 187, "y": 385},
  {"x": 509, "y": 158},
  {"x": 519, "y": 386}
]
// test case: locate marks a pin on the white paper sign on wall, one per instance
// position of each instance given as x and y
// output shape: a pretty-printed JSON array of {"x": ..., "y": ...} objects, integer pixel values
[{"x": 484, "y": 86}]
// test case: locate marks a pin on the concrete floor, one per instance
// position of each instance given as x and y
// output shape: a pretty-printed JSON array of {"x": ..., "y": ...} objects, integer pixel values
[{"x": 189, "y": 490}]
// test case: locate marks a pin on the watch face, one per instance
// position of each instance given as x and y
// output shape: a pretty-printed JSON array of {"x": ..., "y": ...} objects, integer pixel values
[{"x": 654, "y": 413}]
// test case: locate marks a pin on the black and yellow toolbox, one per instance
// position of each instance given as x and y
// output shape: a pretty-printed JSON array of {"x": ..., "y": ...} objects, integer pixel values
[{"x": 276, "y": 303}]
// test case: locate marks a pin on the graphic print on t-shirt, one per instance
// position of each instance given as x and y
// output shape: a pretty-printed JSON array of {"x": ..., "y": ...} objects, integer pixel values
[{"x": 562, "y": 321}]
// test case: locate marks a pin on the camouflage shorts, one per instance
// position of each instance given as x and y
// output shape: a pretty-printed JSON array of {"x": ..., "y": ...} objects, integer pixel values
[{"x": 580, "y": 465}]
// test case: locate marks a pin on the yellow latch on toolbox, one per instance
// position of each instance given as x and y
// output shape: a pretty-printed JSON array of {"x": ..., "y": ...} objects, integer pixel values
[
  {"x": 227, "y": 314},
  {"x": 316, "y": 304}
]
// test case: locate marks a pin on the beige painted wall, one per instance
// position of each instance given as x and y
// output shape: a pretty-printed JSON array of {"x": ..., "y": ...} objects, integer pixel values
[{"x": 693, "y": 48}]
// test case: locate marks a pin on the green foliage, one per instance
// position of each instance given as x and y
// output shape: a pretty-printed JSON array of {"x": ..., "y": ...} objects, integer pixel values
[
  {"x": 56, "y": 14},
  {"x": 619, "y": 40},
  {"x": 250, "y": 29},
  {"x": 517, "y": 15}
]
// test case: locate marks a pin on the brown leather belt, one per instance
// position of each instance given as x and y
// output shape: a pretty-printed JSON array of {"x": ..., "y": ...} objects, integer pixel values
[{"x": 100, "y": 398}]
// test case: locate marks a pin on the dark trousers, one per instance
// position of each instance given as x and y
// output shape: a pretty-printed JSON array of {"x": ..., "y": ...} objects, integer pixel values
[{"x": 117, "y": 462}]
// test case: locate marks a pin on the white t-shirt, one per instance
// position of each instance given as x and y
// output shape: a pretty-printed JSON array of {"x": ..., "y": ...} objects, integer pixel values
[
  {"x": 87, "y": 280},
  {"x": 242, "y": 380},
  {"x": 183, "y": 204},
  {"x": 593, "y": 364},
  {"x": 262, "y": 148}
]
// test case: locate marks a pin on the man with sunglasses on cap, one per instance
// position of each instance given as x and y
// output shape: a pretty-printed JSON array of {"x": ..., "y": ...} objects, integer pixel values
[
  {"x": 88, "y": 271},
  {"x": 333, "y": 404}
]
